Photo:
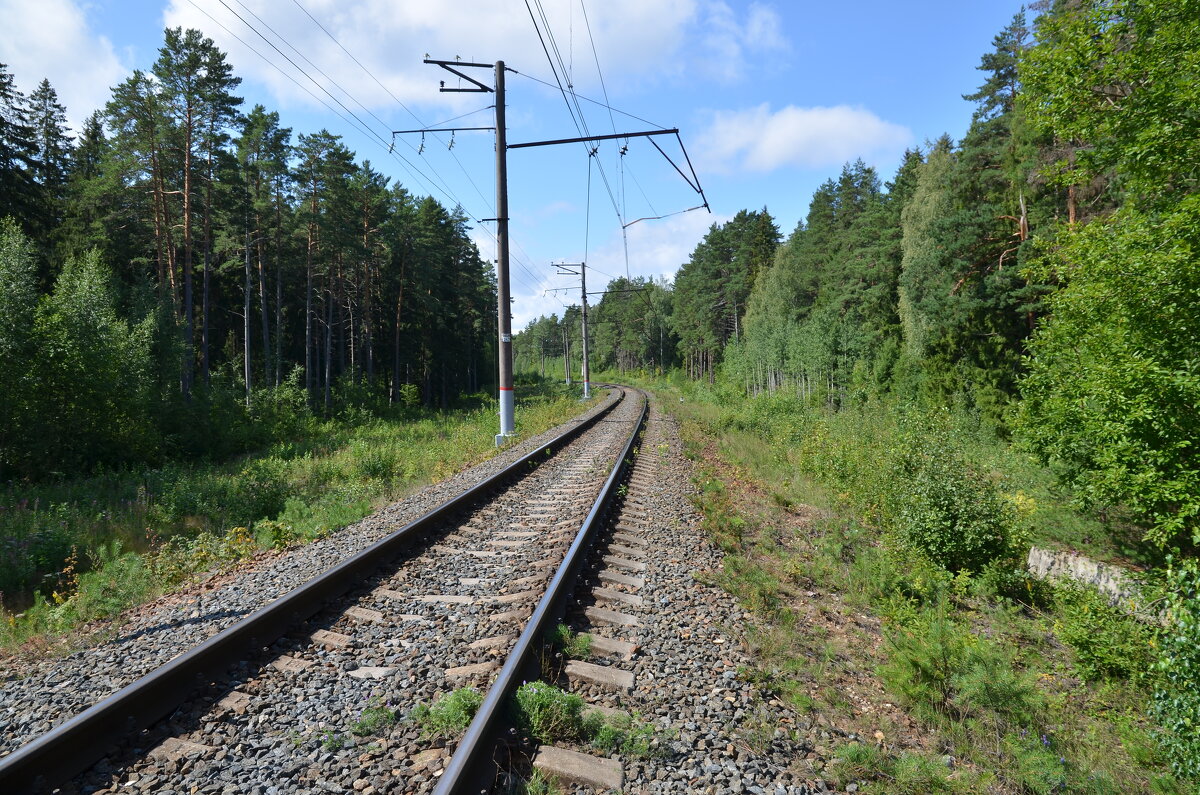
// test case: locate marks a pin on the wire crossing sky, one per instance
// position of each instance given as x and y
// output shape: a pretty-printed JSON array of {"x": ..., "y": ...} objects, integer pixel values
[{"x": 771, "y": 99}]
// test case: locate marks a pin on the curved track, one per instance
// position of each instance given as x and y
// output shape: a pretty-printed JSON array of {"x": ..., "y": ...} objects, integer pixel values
[{"x": 312, "y": 645}]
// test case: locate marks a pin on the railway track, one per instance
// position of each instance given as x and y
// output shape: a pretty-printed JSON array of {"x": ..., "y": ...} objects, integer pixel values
[
  {"x": 468, "y": 574},
  {"x": 469, "y": 604}
]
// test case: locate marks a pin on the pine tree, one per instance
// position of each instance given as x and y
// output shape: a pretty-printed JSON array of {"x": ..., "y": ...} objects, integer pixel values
[
  {"x": 19, "y": 191},
  {"x": 196, "y": 94},
  {"x": 52, "y": 162},
  {"x": 263, "y": 149},
  {"x": 18, "y": 357},
  {"x": 712, "y": 288}
]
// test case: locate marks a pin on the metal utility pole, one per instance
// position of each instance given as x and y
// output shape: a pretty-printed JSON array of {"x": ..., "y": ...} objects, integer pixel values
[
  {"x": 566, "y": 354},
  {"x": 565, "y": 269},
  {"x": 503, "y": 308}
]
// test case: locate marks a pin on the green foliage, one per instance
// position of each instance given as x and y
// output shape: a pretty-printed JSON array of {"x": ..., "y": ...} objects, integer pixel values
[
  {"x": 1176, "y": 703},
  {"x": 1123, "y": 77},
  {"x": 188, "y": 521},
  {"x": 756, "y": 588},
  {"x": 943, "y": 506},
  {"x": 1114, "y": 379},
  {"x": 621, "y": 734},
  {"x": 920, "y": 478},
  {"x": 857, "y": 762},
  {"x": 1036, "y": 765},
  {"x": 713, "y": 288},
  {"x": 630, "y": 328},
  {"x": 944, "y": 671},
  {"x": 906, "y": 773},
  {"x": 18, "y": 305},
  {"x": 576, "y": 645},
  {"x": 539, "y": 784},
  {"x": 117, "y": 580},
  {"x": 332, "y": 741},
  {"x": 923, "y": 663},
  {"x": 1108, "y": 643},
  {"x": 915, "y": 774},
  {"x": 548, "y": 714},
  {"x": 449, "y": 715},
  {"x": 375, "y": 719},
  {"x": 988, "y": 675}
]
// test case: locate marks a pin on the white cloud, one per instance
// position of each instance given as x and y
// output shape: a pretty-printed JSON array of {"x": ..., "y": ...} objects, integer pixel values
[
  {"x": 51, "y": 39},
  {"x": 391, "y": 38},
  {"x": 760, "y": 140},
  {"x": 729, "y": 43},
  {"x": 656, "y": 250},
  {"x": 636, "y": 42}
]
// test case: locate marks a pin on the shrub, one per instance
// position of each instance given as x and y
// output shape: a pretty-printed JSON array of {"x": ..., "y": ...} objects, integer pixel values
[
  {"x": 1176, "y": 702},
  {"x": 449, "y": 715},
  {"x": 1035, "y": 765},
  {"x": 919, "y": 775},
  {"x": 923, "y": 662},
  {"x": 374, "y": 719},
  {"x": 1108, "y": 644},
  {"x": 942, "y": 670},
  {"x": 548, "y": 713},
  {"x": 118, "y": 580},
  {"x": 943, "y": 506}
]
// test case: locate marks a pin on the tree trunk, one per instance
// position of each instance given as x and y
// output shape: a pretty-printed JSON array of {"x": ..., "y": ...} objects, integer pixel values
[
  {"x": 328, "y": 395},
  {"x": 189, "y": 332},
  {"x": 396, "y": 340},
  {"x": 246, "y": 319},
  {"x": 308, "y": 315},
  {"x": 268, "y": 377}
]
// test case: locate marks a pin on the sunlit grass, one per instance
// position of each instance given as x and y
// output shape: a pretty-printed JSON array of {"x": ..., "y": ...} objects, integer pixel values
[{"x": 176, "y": 522}]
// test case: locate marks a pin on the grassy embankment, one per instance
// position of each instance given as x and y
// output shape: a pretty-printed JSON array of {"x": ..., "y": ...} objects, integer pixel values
[
  {"x": 87, "y": 549},
  {"x": 880, "y": 551}
]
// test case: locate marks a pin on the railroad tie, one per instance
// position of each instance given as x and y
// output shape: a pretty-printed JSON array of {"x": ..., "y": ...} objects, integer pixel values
[
  {"x": 605, "y": 676},
  {"x": 580, "y": 769}
]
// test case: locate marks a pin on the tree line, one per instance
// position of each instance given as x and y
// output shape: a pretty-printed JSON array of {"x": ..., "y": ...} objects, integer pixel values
[
  {"x": 185, "y": 269},
  {"x": 1040, "y": 273}
]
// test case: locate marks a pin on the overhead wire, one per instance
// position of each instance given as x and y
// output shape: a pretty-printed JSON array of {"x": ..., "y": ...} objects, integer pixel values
[
  {"x": 571, "y": 99},
  {"x": 355, "y": 120},
  {"x": 620, "y": 150},
  {"x": 396, "y": 99},
  {"x": 573, "y": 107},
  {"x": 593, "y": 101}
]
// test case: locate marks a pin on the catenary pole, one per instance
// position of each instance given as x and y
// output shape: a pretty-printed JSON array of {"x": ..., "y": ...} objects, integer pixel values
[
  {"x": 503, "y": 308},
  {"x": 587, "y": 372},
  {"x": 566, "y": 353},
  {"x": 503, "y": 300}
]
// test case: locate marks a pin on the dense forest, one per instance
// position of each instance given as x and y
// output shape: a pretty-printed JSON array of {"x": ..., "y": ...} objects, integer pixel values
[
  {"x": 992, "y": 348},
  {"x": 1041, "y": 272},
  {"x": 989, "y": 356},
  {"x": 186, "y": 270}
]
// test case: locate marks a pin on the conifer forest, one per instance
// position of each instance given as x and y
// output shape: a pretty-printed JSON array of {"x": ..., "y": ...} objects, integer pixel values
[{"x": 997, "y": 345}]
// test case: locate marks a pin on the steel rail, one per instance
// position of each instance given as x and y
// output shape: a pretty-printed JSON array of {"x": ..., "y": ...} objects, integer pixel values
[
  {"x": 72, "y": 747},
  {"x": 472, "y": 768}
]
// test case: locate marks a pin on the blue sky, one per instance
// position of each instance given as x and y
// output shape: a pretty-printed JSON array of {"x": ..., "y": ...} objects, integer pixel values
[{"x": 771, "y": 98}]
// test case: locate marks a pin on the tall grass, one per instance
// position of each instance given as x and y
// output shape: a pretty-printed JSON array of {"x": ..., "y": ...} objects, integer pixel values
[
  {"x": 56, "y": 540},
  {"x": 1030, "y": 688}
]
